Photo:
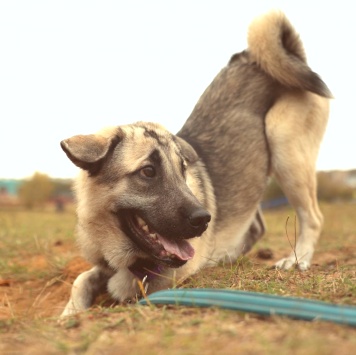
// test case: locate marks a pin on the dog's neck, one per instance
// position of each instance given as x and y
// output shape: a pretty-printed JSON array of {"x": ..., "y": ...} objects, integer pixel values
[{"x": 142, "y": 268}]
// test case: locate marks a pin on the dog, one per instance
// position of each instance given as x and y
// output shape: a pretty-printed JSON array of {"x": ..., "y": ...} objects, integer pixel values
[{"x": 158, "y": 207}]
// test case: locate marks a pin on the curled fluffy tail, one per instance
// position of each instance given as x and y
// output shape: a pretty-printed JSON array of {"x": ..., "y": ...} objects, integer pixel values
[{"x": 277, "y": 48}]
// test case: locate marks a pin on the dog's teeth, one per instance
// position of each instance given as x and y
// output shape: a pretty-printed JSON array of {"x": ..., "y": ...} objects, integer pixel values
[
  {"x": 145, "y": 228},
  {"x": 153, "y": 235},
  {"x": 140, "y": 221}
]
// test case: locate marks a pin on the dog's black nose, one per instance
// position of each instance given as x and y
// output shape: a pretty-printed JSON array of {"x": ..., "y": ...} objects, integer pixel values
[{"x": 199, "y": 219}]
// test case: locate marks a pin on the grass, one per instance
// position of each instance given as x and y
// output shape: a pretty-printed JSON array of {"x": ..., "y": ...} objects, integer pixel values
[
  {"x": 37, "y": 247},
  {"x": 29, "y": 239}
]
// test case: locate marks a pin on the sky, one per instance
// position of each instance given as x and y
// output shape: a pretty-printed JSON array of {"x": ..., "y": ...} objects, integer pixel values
[{"x": 74, "y": 67}]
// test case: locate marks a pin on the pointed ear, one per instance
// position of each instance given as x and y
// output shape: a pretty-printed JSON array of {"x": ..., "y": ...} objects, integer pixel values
[
  {"x": 89, "y": 152},
  {"x": 187, "y": 150}
]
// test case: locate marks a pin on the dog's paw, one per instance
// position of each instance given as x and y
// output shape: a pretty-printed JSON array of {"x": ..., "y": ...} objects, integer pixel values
[
  {"x": 284, "y": 264},
  {"x": 66, "y": 315},
  {"x": 70, "y": 310},
  {"x": 287, "y": 263},
  {"x": 123, "y": 285}
]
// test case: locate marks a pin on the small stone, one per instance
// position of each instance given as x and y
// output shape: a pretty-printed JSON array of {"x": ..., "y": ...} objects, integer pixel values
[{"x": 265, "y": 254}]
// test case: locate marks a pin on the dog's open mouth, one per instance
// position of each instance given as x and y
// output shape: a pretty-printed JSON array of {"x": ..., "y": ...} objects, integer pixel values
[{"x": 173, "y": 253}]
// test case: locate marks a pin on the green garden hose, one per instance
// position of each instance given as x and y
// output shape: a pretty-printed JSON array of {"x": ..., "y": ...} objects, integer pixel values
[{"x": 259, "y": 303}]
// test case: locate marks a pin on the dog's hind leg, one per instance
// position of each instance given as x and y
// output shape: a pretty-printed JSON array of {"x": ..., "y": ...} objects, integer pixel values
[
  {"x": 294, "y": 128},
  {"x": 255, "y": 232}
]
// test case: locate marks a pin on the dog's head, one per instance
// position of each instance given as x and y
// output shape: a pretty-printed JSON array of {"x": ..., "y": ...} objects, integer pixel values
[{"x": 135, "y": 186}]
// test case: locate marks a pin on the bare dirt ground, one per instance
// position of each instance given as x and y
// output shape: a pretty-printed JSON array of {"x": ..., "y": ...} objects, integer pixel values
[{"x": 38, "y": 297}]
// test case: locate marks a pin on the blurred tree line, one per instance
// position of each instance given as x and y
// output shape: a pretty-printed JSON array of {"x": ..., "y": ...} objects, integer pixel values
[
  {"x": 329, "y": 189},
  {"x": 40, "y": 189}
]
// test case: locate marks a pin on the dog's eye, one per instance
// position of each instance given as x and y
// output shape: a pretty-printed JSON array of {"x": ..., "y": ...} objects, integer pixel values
[{"x": 148, "y": 171}]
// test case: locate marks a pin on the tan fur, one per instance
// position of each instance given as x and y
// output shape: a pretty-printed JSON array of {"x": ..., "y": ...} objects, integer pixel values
[
  {"x": 265, "y": 113},
  {"x": 295, "y": 126},
  {"x": 262, "y": 44},
  {"x": 270, "y": 55}
]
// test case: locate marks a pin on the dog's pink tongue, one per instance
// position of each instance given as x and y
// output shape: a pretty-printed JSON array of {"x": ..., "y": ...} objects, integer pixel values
[{"x": 181, "y": 249}]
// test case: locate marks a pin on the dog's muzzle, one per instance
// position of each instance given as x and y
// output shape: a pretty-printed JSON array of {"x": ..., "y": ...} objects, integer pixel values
[
  {"x": 199, "y": 220},
  {"x": 165, "y": 249}
]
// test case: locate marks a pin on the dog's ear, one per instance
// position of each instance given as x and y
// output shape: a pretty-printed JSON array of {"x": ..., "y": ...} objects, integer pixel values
[
  {"x": 88, "y": 152},
  {"x": 187, "y": 150}
]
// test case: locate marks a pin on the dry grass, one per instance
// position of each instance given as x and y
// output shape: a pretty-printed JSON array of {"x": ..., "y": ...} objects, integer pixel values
[{"x": 36, "y": 248}]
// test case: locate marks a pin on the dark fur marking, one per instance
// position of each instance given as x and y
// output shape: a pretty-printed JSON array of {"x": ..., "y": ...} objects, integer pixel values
[
  {"x": 153, "y": 134},
  {"x": 156, "y": 157},
  {"x": 104, "y": 264}
]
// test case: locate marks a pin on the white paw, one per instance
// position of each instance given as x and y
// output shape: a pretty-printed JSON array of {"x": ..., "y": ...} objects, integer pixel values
[
  {"x": 284, "y": 264},
  {"x": 70, "y": 310},
  {"x": 303, "y": 265},
  {"x": 287, "y": 263}
]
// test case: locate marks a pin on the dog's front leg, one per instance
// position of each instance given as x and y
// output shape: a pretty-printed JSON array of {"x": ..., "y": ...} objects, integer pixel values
[
  {"x": 85, "y": 288},
  {"x": 123, "y": 285}
]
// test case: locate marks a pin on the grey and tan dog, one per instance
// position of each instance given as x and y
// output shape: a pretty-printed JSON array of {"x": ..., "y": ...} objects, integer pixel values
[{"x": 160, "y": 207}]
